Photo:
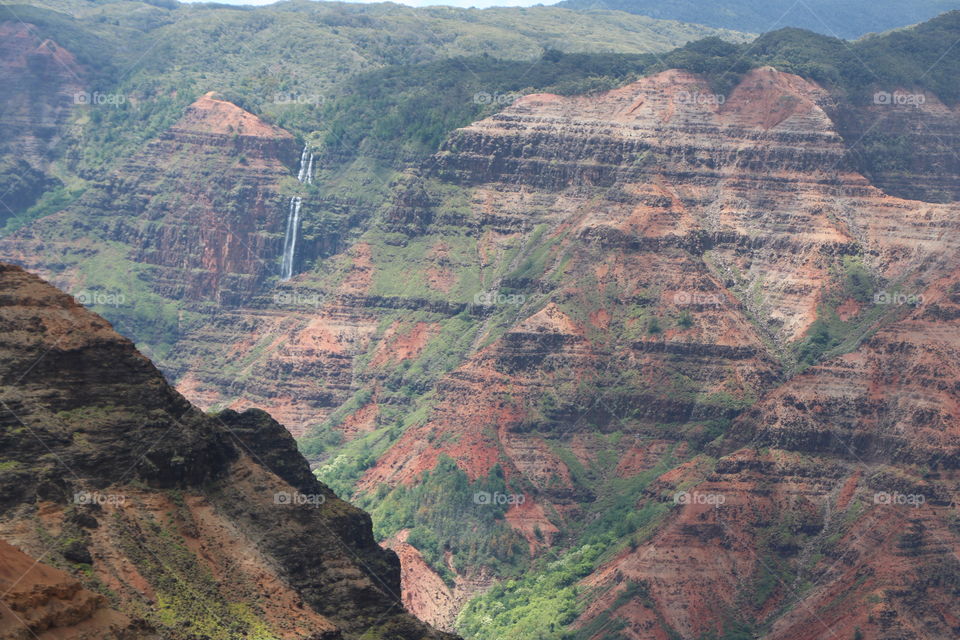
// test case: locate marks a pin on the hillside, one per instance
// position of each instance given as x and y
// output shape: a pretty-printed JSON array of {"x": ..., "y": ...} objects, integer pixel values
[
  {"x": 849, "y": 19},
  {"x": 284, "y": 61}
]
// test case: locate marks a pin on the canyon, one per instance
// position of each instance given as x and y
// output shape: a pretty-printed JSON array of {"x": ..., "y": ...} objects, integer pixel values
[{"x": 654, "y": 362}]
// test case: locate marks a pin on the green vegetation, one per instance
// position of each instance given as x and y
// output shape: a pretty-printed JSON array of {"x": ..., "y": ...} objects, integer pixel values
[
  {"x": 910, "y": 58},
  {"x": 407, "y": 111},
  {"x": 830, "y": 334},
  {"x": 858, "y": 281},
  {"x": 847, "y": 19},
  {"x": 342, "y": 471},
  {"x": 547, "y": 598},
  {"x": 49, "y": 202},
  {"x": 446, "y": 512},
  {"x": 22, "y": 185},
  {"x": 188, "y": 600},
  {"x": 118, "y": 289},
  {"x": 162, "y": 55},
  {"x": 538, "y": 605},
  {"x": 314, "y": 444}
]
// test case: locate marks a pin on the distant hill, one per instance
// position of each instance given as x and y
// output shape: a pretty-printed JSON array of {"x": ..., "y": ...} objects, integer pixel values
[{"x": 846, "y": 19}]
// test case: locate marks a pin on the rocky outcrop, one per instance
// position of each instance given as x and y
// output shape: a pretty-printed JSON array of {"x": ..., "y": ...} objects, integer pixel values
[
  {"x": 200, "y": 207},
  {"x": 683, "y": 246},
  {"x": 744, "y": 179},
  {"x": 46, "y": 603},
  {"x": 177, "y": 516}
]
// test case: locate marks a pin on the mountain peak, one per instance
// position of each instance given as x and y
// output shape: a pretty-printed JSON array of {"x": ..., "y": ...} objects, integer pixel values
[
  {"x": 210, "y": 114},
  {"x": 764, "y": 98}
]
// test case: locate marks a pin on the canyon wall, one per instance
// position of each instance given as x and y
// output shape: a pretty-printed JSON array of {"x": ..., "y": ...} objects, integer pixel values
[{"x": 199, "y": 210}]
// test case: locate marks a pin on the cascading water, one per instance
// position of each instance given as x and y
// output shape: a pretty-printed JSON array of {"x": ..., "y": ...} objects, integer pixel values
[
  {"x": 290, "y": 239},
  {"x": 305, "y": 175}
]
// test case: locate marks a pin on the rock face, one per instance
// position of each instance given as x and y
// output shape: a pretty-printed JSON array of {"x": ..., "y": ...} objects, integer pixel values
[
  {"x": 718, "y": 227},
  {"x": 758, "y": 189},
  {"x": 890, "y": 401},
  {"x": 199, "y": 208},
  {"x": 196, "y": 524},
  {"x": 655, "y": 257},
  {"x": 746, "y": 216}
]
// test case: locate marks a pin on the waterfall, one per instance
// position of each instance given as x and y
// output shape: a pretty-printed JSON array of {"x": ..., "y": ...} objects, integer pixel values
[
  {"x": 304, "y": 175},
  {"x": 290, "y": 239},
  {"x": 303, "y": 165}
]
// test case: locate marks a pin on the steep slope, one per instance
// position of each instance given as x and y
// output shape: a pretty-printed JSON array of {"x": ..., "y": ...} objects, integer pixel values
[
  {"x": 196, "y": 524},
  {"x": 684, "y": 246},
  {"x": 578, "y": 308},
  {"x": 769, "y": 536}
]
